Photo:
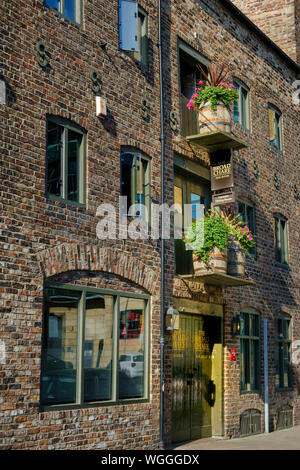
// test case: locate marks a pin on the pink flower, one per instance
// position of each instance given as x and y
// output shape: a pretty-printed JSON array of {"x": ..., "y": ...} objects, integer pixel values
[
  {"x": 232, "y": 85},
  {"x": 200, "y": 82},
  {"x": 247, "y": 229},
  {"x": 243, "y": 232},
  {"x": 250, "y": 238}
]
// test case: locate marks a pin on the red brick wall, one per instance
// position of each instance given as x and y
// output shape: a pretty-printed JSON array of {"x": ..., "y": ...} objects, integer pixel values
[
  {"x": 34, "y": 229},
  {"x": 278, "y": 19}
]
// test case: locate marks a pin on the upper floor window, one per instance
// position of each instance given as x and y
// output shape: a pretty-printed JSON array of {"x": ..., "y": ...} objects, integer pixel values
[
  {"x": 281, "y": 239},
  {"x": 133, "y": 30},
  {"x": 65, "y": 174},
  {"x": 283, "y": 376},
  {"x": 95, "y": 346},
  {"x": 190, "y": 193},
  {"x": 249, "y": 344},
  {"x": 189, "y": 74},
  {"x": 275, "y": 127},
  {"x": 71, "y": 9},
  {"x": 135, "y": 183},
  {"x": 141, "y": 55},
  {"x": 247, "y": 215},
  {"x": 241, "y": 106}
]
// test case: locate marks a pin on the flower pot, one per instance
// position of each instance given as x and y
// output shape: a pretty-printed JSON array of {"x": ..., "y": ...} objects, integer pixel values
[
  {"x": 216, "y": 264},
  {"x": 212, "y": 121},
  {"x": 236, "y": 259}
]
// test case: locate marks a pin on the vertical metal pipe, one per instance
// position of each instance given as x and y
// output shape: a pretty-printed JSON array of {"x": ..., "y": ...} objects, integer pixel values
[
  {"x": 162, "y": 141},
  {"x": 266, "y": 375}
]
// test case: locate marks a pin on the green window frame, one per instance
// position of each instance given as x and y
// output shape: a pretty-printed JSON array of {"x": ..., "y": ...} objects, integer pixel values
[
  {"x": 246, "y": 212},
  {"x": 70, "y": 9},
  {"x": 95, "y": 347},
  {"x": 241, "y": 107},
  {"x": 65, "y": 161},
  {"x": 250, "y": 352},
  {"x": 283, "y": 377},
  {"x": 189, "y": 189},
  {"x": 275, "y": 127},
  {"x": 136, "y": 181},
  {"x": 188, "y": 76},
  {"x": 142, "y": 54},
  {"x": 281, "y": 239}
]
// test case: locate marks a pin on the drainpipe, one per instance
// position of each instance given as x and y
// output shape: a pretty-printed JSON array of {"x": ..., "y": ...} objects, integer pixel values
[
  {"x": 162, "y": 141},
  {"x": 266, "y": 374}
]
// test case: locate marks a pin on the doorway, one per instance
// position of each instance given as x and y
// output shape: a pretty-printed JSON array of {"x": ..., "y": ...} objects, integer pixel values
[{"x": 197, "y": 377}]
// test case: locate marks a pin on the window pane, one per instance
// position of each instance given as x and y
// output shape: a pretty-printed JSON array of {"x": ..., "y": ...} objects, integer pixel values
[
  {"x": 54, "y": 159},
  {"x": 98, "y": 347},
  {"x": 131, "y": 348},
  {"x": 70, "y": 9},
  {"x": 74, "y": 141},
  {"x": 56, "y": 4},
  {"x": 196, "y": 202},
  {"x": 126, "y": 177},
  {"x": 58, "y": 384},
  {"x": 236, "y": 112}
]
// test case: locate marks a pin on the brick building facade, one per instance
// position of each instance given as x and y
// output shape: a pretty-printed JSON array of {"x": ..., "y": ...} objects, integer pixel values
[{"x": 61, "y": 284}]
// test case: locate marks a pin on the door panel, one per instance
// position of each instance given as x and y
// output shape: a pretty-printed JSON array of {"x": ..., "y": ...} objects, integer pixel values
[{"x": 194, "y": 391}]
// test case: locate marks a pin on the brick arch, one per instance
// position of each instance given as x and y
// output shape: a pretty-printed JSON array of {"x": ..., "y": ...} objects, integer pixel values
[{"x": 82, "y": 257}]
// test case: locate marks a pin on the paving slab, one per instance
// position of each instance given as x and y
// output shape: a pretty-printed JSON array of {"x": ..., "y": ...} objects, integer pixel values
[{"x": 287, "y": 439}]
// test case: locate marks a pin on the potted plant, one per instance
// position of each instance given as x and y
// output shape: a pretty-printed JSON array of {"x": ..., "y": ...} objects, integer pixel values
[
  {"x": 219, "y": 244},
  {"x": 208, "y": 238},
  {"x": 212, "y": 98},
  {"x": 240, "y": 242}
]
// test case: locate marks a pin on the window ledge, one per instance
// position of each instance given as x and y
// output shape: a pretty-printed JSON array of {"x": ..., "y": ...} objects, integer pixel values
[{"x": 282, "y": 265}]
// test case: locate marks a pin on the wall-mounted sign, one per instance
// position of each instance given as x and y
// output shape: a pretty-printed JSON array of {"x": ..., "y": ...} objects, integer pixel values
[
  {"x": 233, "y": 354},
  {"x": 221, "y": 170},
  {"x": 224, "y": 197}
]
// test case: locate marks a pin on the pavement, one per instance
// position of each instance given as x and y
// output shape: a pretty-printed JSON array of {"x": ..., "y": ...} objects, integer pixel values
[{"x": 287, "y": 439}]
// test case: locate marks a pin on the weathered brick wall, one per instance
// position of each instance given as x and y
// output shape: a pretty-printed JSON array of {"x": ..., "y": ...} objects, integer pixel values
[
  {"x": 227, "y": 41},
  {"x": 31, "y": 224},
  {"x": 278, "y": 19},
  {"x": 34, "y": 229}
]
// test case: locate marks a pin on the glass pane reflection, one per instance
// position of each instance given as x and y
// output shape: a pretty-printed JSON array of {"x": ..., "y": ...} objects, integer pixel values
[{"x": 131, "y": 348}]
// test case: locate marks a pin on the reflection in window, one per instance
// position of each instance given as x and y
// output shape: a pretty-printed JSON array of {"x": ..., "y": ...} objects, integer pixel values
[
  {"x": 91, "y": 350},
  {"x": 65, "y": 168},
  {"x": 249, "y": 348},
  {"x": 281, "y": 239},
  {"x": 135, "y": 183},
  {"x": 60, "y": 347},
  {"x": 131, "y": 348},
  {"x": 70, "y": 9},
  {"x": 283, "y": 353},
  {"x": 98, "y": 347}
]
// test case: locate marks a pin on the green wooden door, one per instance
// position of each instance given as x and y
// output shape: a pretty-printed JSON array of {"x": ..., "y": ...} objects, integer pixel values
[{"x": 193, "y": 391}]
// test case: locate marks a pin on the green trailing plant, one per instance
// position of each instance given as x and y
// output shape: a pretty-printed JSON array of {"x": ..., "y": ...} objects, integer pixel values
[
  {"x": 206, "y": 233},
  {"x": 213, "y": 230}
]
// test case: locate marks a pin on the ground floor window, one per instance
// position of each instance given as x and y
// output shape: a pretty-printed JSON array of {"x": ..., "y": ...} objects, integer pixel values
[
  {"x": 283, "y": 353},
  {"x": 250, "y": 357},
  {"x": 95, "y": 346}
]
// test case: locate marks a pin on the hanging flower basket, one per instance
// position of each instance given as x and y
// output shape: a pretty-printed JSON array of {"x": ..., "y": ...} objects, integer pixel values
[
  {"x": 212, "y": 120},
  {"x": 217, "y": 262},
  {"x": 212, "y": 99},
  {"x": 236, "y": 258}
]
